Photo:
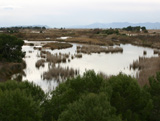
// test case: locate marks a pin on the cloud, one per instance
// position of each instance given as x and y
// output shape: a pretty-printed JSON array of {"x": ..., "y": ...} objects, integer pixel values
[{"x": 9, "y": 7}]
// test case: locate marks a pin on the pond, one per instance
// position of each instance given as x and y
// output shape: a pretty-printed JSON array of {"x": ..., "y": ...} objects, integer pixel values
[{"x": 107, "y": 63}]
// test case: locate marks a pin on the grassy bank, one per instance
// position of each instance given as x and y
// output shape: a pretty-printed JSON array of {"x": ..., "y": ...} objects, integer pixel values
[{"x": 57, "y": 45}]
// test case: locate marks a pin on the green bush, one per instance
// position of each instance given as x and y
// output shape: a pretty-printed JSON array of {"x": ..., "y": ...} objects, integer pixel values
[
  {"x": 71, "y": 91},
  {"x": 130, "y": 100},
  {"x": 11, "y": 48},
  {"x": 28, "y": 87},
  {"x": 154, "y": 90},
  {"x": 20, "y": 101},
  {"x": 84, "y": 98},
  {"x": 90, "y": 107},
  {"x": 16, "y": 105}
]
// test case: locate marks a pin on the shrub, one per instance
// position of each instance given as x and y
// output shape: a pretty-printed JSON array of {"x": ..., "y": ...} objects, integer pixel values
[
  {"x": 90, "y": 107},
  {"x": 71, "y": 91},
  {"x": 10, "y": 48},
  {"x": 29, "y": 88},
  {"x": 130, "y": 100},
  {"x": 154, "y": 90},
  {"x": 21, "y": 101}
]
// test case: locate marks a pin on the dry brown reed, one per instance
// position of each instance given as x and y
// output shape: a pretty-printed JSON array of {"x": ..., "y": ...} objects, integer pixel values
[
  {"x": 57, "y": 45},
  {"x": 97, "y": 49},
  {"x": 78, "y": 55},
  {"x": 59, "y": 73},
  {"x": 144, "y": 52},
  {"x": 40, "y": 63},
  {"x": 148, "y": 67},
  {"x": 54, "y": 58},
  {"x": 8, "y": 69}
]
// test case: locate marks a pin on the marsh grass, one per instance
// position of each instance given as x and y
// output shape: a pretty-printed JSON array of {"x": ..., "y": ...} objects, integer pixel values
[
  {"x": 98, "y": 49},
  {"x": 40, "y": 63},
  {"x": 57, "y": 45},
  {"x": 59, "y": 73},
  {"x": 54, "y": 58},
  {"x": 9, "y": 69},
  {"x": 78, "y": 55},
  {"x": 148, "y": 67}
]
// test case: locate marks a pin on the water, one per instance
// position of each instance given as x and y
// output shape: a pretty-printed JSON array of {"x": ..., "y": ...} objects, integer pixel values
[{"x": 109, "y": 64}]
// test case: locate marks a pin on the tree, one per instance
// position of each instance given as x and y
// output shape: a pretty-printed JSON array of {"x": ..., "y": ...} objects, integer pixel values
[
  {"x": 16, "y": 105},
  {"x": 11, "y": 48},
  {"x": 71, "y": 91},
  {"x": 130, "y": 100},
  {"x": 90, "y": 107},
  {"x": 20, "y": 101},
  {"x": 28, "y": 87},
  {"x": 154, "y": 90}
]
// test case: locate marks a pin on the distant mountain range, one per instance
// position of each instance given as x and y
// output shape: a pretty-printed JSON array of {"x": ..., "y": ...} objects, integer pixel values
[{"x": 119, "y": 25}]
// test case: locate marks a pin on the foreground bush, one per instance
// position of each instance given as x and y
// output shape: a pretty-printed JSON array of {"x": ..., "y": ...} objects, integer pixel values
[
  {"x": 154, "y": 90},
  {"x": 20, "y": 101},
  {"x": 16, "y": 105},
  {"x": 91, "y": 107},
  {"x": 130, "y": 100},
  {"x": 84, "y": 98},
  {"x": 71, "y": 91}
]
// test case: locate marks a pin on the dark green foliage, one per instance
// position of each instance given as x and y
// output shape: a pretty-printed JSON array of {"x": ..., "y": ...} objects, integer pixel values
[
  {"x": 111, "y": 31},
  {"x": 90, "y": 107},
  {"x": 154, "y": 90},
  {"x": 136, "y": 29},
  {"x": 71, "y": 91},
  {"x": 10, "y": 48},
  {"x": 129, "y": 98},
  {"x": 20, "y": 101},
  {"x": 16, "y": 105},
  {"x": 29, "y": 88},
  {"x": 84, "y": 98}
]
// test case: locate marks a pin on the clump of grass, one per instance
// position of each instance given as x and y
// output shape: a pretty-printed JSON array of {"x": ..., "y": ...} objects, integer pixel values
[
  {"x": 40, "y": 63},
  {"x": 37, "y": 48},
  {"x": 144, "y": 52},
  {"x": 57, "y": 45},
  {"x": 156, "y": 51},
  {"x": 86, "y": 40},
  {"x": 59, "y": 73},
  {"x": 148, "y": 67},
  {"x": 98, "y": 49},
  {"x": 9, "y": 69},
  {"x": 54, "y": 58},
  {"x": 78, "y": 55}
]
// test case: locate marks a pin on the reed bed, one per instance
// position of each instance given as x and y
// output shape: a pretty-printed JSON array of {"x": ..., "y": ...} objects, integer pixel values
[
  {"x": 40, "y": 63},
  {"x": 60, "y": 73},
  {"x": 148, "y": 67},
  {"x": 54, "y": 58},
  {"x": 156, "y": 52},
  {"x": 57, "y": 45},
  {"x": 98, "y": 49},
  {"x": 78, "y": 55}
]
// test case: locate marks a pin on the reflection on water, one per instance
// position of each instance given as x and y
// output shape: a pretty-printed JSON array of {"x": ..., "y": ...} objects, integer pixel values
[{"x": 107, "y": 63}]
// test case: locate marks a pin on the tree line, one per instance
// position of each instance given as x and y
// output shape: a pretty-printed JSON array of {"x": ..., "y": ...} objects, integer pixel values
[{"x": 84, "y": 98}]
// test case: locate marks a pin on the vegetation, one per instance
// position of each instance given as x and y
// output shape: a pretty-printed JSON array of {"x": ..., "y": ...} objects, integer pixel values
[
  {"x": 20, "y": 101},
  {"x": 136, "y": 29},
  {"x": 148, "y": 67},
  {"x": 85, "y": 98},
  {"x": 89, "y": 49},
  {"x": 11, "y": 48},
  {"x": 111, "y": 31},
  {"x": 17, "y": 29},
  {"x": 57, "y": 45}
]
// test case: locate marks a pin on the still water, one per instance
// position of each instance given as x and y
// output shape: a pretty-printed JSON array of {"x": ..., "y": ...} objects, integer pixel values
[{"x": 107, "y": 63}]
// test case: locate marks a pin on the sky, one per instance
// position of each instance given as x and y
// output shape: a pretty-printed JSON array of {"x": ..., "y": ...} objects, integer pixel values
[{"x": 65, "y": 13}]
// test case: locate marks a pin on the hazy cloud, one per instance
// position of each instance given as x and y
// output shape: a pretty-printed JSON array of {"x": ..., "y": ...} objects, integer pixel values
[{"x": 72, "y": 12}]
